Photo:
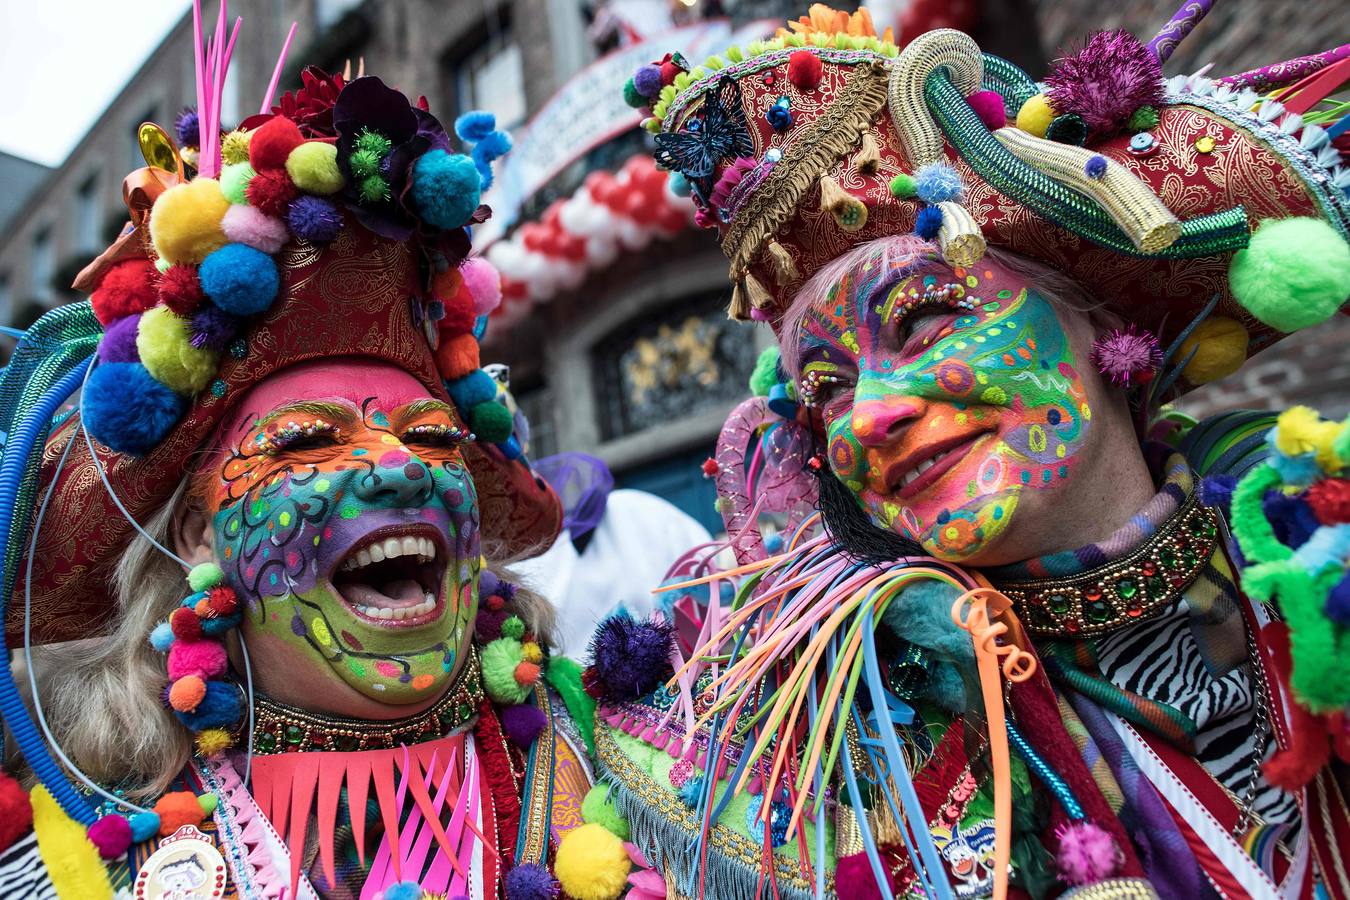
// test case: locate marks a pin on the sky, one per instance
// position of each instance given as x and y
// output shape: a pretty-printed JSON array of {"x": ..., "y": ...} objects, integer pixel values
[{"x": 63, "y": 61}]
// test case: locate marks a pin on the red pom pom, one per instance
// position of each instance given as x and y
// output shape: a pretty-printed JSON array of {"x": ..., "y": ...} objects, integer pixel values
[
  {"x": 271, "y": 192},
  {"x": 592, "y": 684},
  {"x": 111, "y": 835},
  {"x": 495, "y": 602},
  {"x": 459, "y": 316},
  {"x": 185, "y": 624},
  {"x": 805, "y": 70},
  {"x": 457, "y": 357},
  {"x": 668, "y": 72},
  {"x": 16, "y": 812},
  {"x": 710, "y": 467},
  {"x": 527, "y": 673},
  {"x": 988, "y": 105},
  {"x": 180, "y": 290},
  {"x": 125, "y": 289},
  {"x": 176, "y": 810},
  {"x": 223, "y": 601},
  {"x": 1330, "y": 501},
  {"x": 272, "y": 143}
]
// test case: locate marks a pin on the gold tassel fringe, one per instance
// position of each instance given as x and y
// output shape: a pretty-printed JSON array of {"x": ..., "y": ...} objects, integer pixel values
[
  {"x": 868, "y": 156},
  {"x": 850, "y": 213},
  {"x": 784, "y": 268},
  {"x": 760, "y": 298}
]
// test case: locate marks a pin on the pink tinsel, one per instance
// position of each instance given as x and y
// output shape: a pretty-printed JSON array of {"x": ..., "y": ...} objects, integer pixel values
[
  {"x": 1105, "y": 82},
  {"x": 1127, "y": 357},
  {"x": 853, "y": 878},
  {"x": 1087, "y": 854},
  {"x": 730, "y": 178}
]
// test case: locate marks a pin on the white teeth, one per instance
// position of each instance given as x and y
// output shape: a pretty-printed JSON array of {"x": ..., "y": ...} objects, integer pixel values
[
  {"x": 393, "y": 548},
  {"x": 363, "y": 559},
  {"x": 424, "y": 549},
  {"x": 377, "y": 552},
  {"x": 410, "y": 546},
  {"x": 401, "y": 613},
  {"x": 385, "y": 613}
]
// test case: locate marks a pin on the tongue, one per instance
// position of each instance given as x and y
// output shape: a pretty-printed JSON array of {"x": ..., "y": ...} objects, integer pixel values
[{"x": 392, "y": 594}]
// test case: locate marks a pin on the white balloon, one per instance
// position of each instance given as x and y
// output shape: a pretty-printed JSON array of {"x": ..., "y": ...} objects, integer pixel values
[
  {"x": 630, "y": 234},
  {"x": 601, "y": 251}
]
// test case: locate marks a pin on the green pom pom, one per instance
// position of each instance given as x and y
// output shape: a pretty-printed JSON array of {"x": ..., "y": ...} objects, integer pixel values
[
  {"x": 631, "y": 95},
  {"x": 234, "y": 181},
  {"x": 765, "y": 374},
  {"x": 374, "y": 189},
  {"x": 513, "y": 627},
  {"x": 499, "y": 660},
  {"x": 373, "y": 142},
  {"x": 364, "y": 163},
  {"x": 902, "y": 186},
  {"x": 1144, "y": 118},
  {"x": 599, "y": 809},
  {"x": 1295, "y": 273},
  {"x": 205, "y": 576},
  {"x": 491, "y": 422},
  {"x": 207, "y": 802}
]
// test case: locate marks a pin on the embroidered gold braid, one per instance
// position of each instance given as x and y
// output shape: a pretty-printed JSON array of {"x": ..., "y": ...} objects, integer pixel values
[
  {"x": 919, "y": 134},
  {"x": 539, "y": 793},
  {"x": 835, "y": 133},
  {"x": 1114, "y": 889}
]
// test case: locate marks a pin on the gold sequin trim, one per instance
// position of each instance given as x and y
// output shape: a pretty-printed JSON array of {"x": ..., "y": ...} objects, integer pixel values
[{"x": 1114, "y": 889}]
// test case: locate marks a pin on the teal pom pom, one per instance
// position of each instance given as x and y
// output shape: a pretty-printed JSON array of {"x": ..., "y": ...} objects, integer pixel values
[
  {"x": 679, "y": 185},
  {"x": 124, "y": 407},
  {"x": 239, "y": 279},
  {"x": 162, "y": 637},
  {"x": 445, "y": 188},
  {"x": 937, "y": 183},
  {"x": 144, "y": 826},
  {"x": 490, "y": 422},
  {"x": 404, "y": 890},
  {"x": 1295, "y": 273},
  {"x": 473, "y": 389},
  {"x": 922, "y": 615},
  {"x": 631, "y": 95},
  {"x": 221, "y": 624},
  {"x": 205, "y": 576},
  {"x": 692, "y": 791},
  {"x": 765, "y": 375}
]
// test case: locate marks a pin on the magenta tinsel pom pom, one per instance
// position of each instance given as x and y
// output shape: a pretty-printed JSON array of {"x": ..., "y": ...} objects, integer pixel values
[
  {"x": 522, "y": 723},
  {"x": 631, "y": 657},
  {"x": 853, "y": 878},
  {"x": 988, "y": 105},
  {"x": 531, "y": 881},
  {"x": 1087, "y": 854},
  {"x": 111, "y": 835},
  {"x": 314, "y": 219},
  {"x": 119, "y": 341},
  {"x": 1105, "y": 82},
  {"x": 212, "y": 327},
  {"x": 187, "y": 128},
  {"x": 1127, "y": 357}
]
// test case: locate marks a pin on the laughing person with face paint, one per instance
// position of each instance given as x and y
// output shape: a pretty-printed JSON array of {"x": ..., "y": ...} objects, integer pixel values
[
  {"x": 1051, "y": 639},
  {"x": 266, "y": 532}
]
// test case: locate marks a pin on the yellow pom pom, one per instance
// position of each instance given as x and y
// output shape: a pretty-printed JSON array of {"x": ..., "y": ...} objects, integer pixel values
[
  {"x": 1301, "y": 430},
  {"x": 213, "y": 741},
  {"x": 185, "y": 221},
  {"x": 530, "y": 652},
  {"x": 313, "y": 167},
  {"x": 234, "y": 147},
  {"x": 592, "y": 864},
  {"x": 1222, "y": 349},
  {"x": 1035, "y": 115},
  {"x": 162, "y": 342}
]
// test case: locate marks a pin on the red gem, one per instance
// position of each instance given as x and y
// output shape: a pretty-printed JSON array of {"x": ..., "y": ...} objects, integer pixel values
[
  {"x": 1072, "y": 626},
  {"x": 1133, "y": 610},
  {"x": 1092, "y": 595},
  {"x": 768, "y": 79},
  {"x": 1149, "y": 568}
]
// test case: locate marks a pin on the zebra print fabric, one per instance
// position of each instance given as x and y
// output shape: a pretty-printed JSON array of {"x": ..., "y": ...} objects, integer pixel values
[{"x": 22, "y": 873}]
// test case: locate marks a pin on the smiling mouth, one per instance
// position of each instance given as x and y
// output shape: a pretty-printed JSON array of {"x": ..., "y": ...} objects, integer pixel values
[
  {"x": 926, "y": 466},
  {"x": 393, "y": 578}
]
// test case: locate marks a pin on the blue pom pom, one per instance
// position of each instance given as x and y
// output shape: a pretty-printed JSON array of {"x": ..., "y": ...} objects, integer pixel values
[
  {"x": 1096, "y": 166},
  {"x": 692, "y": 791},
  {"x": 144, "y": 825},
  {"x": 530, "y": 881},
  {"x": 125, "y": 408},
  {"x": 220, "y": 708},
  {"x": 937, "y": 183},
  {"x": 314, "y": 219},
  {"x": 161, "y": 638},
  {"x": 1338, "y": 602},
  {"x": 928, "y": 223},
  {"x": 404, "y": 890},
  {"x": 679, "y": 185},
  {"x": 473, "y": 389},
  {"x": 489, "y": 149},
  {"x": 221, "y": 624},
  {"x": 1217, "y": 491},
  {"x": 445, "y": 188},
  {"x": 1291, "y": 518},
  {"x": 239, "y": 279},
  {"x": 773, "y": 543},
  {"x": 475, "y": 125},
  {"x": 647, "y": 81},
  {"x": 780, "y": 403},
  {"x": 187, "y": 128}
]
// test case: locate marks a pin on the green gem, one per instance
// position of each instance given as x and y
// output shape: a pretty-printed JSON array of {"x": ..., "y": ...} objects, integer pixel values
[
  {"x": 1155, "y": 586},
  {"x": 472, "y": 684},
  {"x": 1127, "y": 587},
  {"x": 267, "y": 742},
  {"x": 239, "y": 348},
  {"x": 294, "y": 734},
  {"x": 1058, "y": 603},
  {"x": 464, "y": 710},
  {"x": 346, "y": 742},
  {"x": 1203, "y": 527},
  {"x": 1189, "y": 558},
  {"x": 1099, "y": 611},
  {"x": 1169, "y": 558}
]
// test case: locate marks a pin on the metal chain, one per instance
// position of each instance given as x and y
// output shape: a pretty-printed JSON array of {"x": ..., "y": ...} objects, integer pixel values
[{"x": 1260, "y": 736}]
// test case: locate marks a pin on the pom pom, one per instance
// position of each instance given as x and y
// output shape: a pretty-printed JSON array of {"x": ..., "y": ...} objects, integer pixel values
[
  {"x": 647, "y": 81},
  {"x": 179, "y": 289},
  {"x": 404, "y": 890},
  {"x": 1127, "y": 357},
  {"x": 187, "y": 128},
  {"x": 531, "y": 652},
  {"x": 592, "y": 864},
  {"x": 937, "y": 182},
  {"x": 1067, "y": 129},
  {"x": 194, "y": 656},
  {"x": 234, "y": 180},
  {"x": 185, "y": 221},
  {"x": 805, "y": 70},
  {"x": 219, "y": 625},
  {"x": 853, "y": 878},
  {"x": 513, "y": 627},
  {"x": 234, "y": 147},
  {"x": 490, "y": 148},
  {"x": 220, "y": 708},
  {"x": 124, "y": 407},
  {"x": 364, "y": 163},
  {"x": 176, "y": 809},
  {"x": 678, "y": 184},
  {"x": 902, "y": 186},
  {"x": 1087, "y": 854},
  {"x": 632, "y": 96},
  {"x": 475, "y": 388},
  {"x": 526, "y": 673},
  {"x": 500, "y": 659},
  {"x": 531, "y": 881},
  {"x": 1105, "y": 82},
  {"x": 186, "y": 693},
  {"x": 1095, "y": 166},
  {"x": 314, "y": 219},
  {"x": 670, "y": 70},
  {"x": 1295, "y": 273},
  {"x": 631, "y": 657},
  {"x": 211, "y": 328},
  {"x": 710, "y": 467},
  {"x": 214, "y": 741},
  {"x": 250, "y": 226},
  {"x": 445, "y": 188},
  {"x": 765, "y": 374},
  {"x": 272, "y": 143},
  {"x": 118, "y": 344},
  {"x": 691, "y": 791},
  {"x": 928, "y": 222},
  {"x": 144, "y": 825},
  {"x": 1035, "y": 115},
  {"x": 313, "y": 167},
  {"x": 240, "y": 280},
  {"x": 483, "y": 282},
  {"x": 16, "y": 811},
  {"x": 989, "y": 106},
  {"x": 1216, "y": 491},
  {"x": 1220, "y": 346},
  {"x": 222, "y": 601},
  {"x": 111, "y": 836},
  {"x": 491, "y": 422},
  {"x": 475, "y": 125},
  {"x": 522, "y": 723},
  {"x": 1330, "y": 500},
  {"x": 271, "y": 192},
  {"x": 208, "y": 803},
  {"x": 127, "y": 288},
  {"x": 164, "y": 345},
  {"x": 488, "y": 626},
  {"x": 596, "y": 807},
  {"x": 162, "y": 637}
]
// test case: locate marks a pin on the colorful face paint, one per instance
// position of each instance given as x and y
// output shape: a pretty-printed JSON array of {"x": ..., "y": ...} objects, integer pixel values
[
  {"x": 350, "y": 528},
  {"x": 945, "y": 397}
]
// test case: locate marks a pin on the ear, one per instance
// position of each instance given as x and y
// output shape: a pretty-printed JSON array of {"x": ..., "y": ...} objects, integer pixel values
[{"x": 193, "y": 537}]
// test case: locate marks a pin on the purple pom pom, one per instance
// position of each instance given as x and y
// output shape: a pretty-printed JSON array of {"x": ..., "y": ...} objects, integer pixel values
[
  {"x": 531, "y": 881},
  {"x": 1291, "y": 518},
  {"x": 523, "y": 723},
  {"x": 488, "y": 626},
  {"x": 212, "y": 327},
  {"x": 314, "y": 219},
  {"x": 119, "y": 341},
  {"x": 1127, "y": 357},
  {"x": 632, "y": 658},
  {"x": 928, "y": 223},
  {"x": 647, "y": 80},
  {"x": 507, "y": 590},
  {"x": 1338, "y": 602},
  {"x": 187, "y": 128},
  {"x": 1216, "y": 491},
  {"x": 488, "y": 583},
  {"x": 1105, "y": 82},
  {"x": 1096, "y": 166}
]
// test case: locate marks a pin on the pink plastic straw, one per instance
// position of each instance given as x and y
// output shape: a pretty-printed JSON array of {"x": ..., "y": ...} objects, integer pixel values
[{"x": 276, "y": 72}]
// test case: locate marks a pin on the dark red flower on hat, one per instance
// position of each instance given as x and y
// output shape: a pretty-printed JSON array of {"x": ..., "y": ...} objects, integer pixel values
[{"x": 311, "y": 107}]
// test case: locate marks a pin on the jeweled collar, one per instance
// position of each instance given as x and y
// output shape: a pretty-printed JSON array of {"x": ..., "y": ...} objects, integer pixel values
[
  {"x": 1136, "y": 573},
  {"x": 279, "y": 727}
]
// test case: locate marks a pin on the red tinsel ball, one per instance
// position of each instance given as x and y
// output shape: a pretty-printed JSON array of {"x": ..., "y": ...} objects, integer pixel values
[
  {"x": 223, "y": 601},
  {"x": 592, "y": 684},
  {"x": 271, "y": 192},
  {"x": 185, "y": 624},
  {"x": 16, "y": 811},
  {"x": 805, "y": 70},
  {"x": 126, "y": 288},
  {"x": 1330, "y": 501},
  {"x": 272, "y": 143},
  {"x": 710, "y": 467},
  {"x": 180, "y": 290}
]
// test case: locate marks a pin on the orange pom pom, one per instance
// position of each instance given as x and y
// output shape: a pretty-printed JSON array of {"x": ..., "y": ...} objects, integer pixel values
[
  {"x": 527, "y": 673},
  {"x": 187, "y": 693},
  {"x": 177, "y": 809},
  {"x": 203, "y": 609},
  {"x": 457, "y": 356}
]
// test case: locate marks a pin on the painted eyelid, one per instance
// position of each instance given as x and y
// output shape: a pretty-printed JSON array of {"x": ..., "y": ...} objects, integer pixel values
[
  {"x": 275, "y": 440},
  {"x": 453, "y": 434}
]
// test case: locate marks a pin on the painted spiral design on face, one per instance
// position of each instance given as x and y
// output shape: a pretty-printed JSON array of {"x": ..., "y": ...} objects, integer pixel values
[
  {"x": 956, "y": 378},
  {"x": 841, "y": 456}
]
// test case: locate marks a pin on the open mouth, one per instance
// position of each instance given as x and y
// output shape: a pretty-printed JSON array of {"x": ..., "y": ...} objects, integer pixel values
[
  {"x": 923, "y": 468},
  {"x": 393, "y": 577}
]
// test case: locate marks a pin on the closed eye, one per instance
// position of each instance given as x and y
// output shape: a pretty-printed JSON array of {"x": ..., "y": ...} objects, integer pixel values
[
  {"x": 435, "y": 435},
  {"x": 299, "y": 438}
]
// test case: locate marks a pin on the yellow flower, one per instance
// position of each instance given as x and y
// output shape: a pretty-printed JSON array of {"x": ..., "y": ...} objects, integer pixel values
[{"x": 822, "y": 19}]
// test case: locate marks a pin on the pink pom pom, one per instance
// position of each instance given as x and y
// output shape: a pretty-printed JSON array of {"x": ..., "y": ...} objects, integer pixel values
[
  {"x": 988, "y": 105},
  {"x": 484, "y": 284},
  {"x": 853, "y": 878},
  {"x": 111, "y": 835},
  {"x": 205, "y": 659},
  {"x": 1087, "y": 854},
  {"x": 250, "y": 225}
]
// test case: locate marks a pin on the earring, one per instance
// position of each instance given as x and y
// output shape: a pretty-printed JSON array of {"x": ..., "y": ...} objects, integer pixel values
[{"x": 1127, "y": 357}]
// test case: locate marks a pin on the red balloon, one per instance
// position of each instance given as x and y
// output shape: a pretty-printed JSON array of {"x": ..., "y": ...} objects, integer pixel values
[
  {"x": 532, "y": 235},
  {"x": 573, "y": 248}
]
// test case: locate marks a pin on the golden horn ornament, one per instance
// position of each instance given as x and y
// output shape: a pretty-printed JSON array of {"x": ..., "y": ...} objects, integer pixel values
[{"x": 959, "y": 237}]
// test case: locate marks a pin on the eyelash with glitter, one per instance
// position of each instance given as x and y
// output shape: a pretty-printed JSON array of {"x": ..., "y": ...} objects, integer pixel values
[
  {"x": 446, "y": 435},
  {"x": 275, "y": 440}
]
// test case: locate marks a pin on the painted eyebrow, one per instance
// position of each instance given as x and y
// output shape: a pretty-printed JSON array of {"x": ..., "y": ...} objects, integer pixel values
[
  {"x": 339, "y": 414},
  {"x": 422, "y": 407}
]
